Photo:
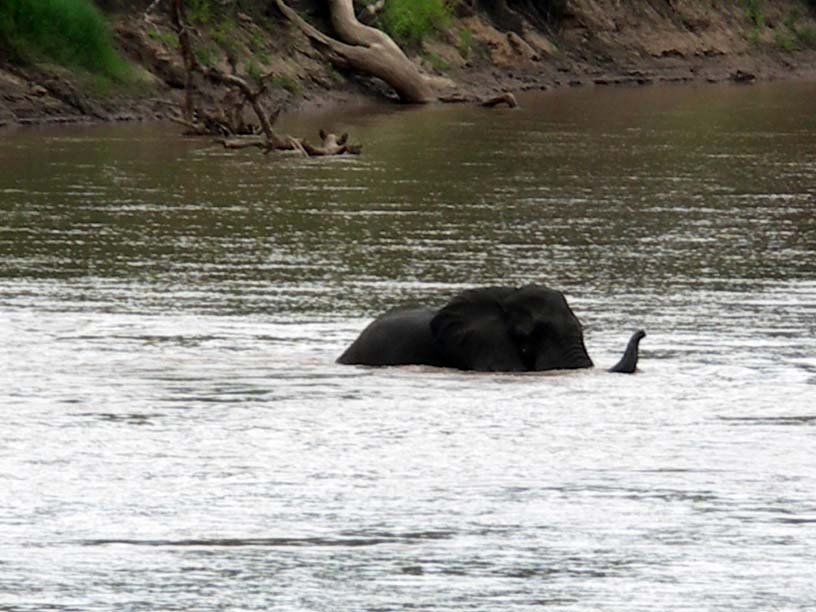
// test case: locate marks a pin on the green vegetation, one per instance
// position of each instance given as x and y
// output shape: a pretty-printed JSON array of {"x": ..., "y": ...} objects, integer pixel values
[
  {"x": 286, "y": 82},
  {"x": 753, "y": 11},
  {"x": 437, "y": 63},
  {"x": 205, "y": 54},
  {"x": 784, "y": 42},
  {"x": 792, "y": 18},
  {"x": 789, "y": 35},
  {"x": 801, "y": 36},
  {"x": 465, "y": 42},
  {"x": 335, "y": 76},
  {"x": 257, "y": 42},
  {"x": 254, "y": 70},
  {"x": 411, "y": 21},
  {"x": 168, "y": 39},
  {"x": 199, "y": 11},
  {"x": 72, "y": 33},
  {"x": 807, "y": 36},
  {"x": 224, "y": 35},
  {"x": 258, "y": 45}
]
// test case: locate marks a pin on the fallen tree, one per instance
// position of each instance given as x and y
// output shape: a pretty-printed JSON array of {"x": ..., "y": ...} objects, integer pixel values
[
  {"x": 227, "y": 120},
  {"x": 367, "y": 50}
]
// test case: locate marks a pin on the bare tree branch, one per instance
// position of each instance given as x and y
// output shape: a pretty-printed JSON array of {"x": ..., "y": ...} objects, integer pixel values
[{"x": 226, "y": 122}]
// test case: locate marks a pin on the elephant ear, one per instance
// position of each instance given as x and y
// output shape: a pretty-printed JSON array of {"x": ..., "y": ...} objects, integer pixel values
[{"x": 471, "y": 332}]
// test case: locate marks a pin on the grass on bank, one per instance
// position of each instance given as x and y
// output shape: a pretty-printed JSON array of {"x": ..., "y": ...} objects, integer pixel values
[
  {"x": 73, "y": 33},
  {"x": 409, "y": 22},
  {"x": 788, "y": 36}
]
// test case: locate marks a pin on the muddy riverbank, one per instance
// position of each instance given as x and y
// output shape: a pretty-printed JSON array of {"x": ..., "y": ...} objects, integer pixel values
[{"x": 486, "y": 48}]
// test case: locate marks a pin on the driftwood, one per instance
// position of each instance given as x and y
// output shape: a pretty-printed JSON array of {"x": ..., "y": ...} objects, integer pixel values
[
  {"x": 459, "y": 98},
  {"x": 227, "y": 121},
  {"x": 506, "y": 98},
  {"x": 330, "y": 144}
]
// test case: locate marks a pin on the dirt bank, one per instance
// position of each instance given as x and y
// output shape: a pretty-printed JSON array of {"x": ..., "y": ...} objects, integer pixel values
[{"x": 487, "y": 47}]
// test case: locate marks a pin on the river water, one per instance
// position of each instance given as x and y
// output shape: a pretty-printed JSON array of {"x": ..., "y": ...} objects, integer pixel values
[{"x": 176, "y": 435}]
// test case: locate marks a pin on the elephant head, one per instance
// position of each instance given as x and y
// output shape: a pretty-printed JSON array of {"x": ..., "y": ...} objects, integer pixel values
[{"x": 510, "y": 330}]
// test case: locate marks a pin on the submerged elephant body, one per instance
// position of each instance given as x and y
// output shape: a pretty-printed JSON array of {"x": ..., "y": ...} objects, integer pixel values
[
  {"x": 401, "y": 336},
  {"x": 491, "y": 329}
]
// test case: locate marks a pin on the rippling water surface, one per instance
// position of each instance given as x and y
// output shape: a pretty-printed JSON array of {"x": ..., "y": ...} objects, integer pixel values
[{"x": 176, "y": 435}]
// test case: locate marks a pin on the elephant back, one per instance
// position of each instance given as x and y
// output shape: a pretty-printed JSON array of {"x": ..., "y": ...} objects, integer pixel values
[{"x": 401, "y": 336}]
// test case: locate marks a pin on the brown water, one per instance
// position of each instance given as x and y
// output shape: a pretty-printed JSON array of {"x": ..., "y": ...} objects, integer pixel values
[{"x": 176, "y": 434}]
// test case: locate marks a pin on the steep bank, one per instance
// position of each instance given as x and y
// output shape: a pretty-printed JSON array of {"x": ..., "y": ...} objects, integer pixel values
[{"x": 484, "y": 48}]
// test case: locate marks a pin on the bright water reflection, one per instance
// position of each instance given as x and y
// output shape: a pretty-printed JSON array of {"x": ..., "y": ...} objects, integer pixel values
[{"x": 176, "y": 435}]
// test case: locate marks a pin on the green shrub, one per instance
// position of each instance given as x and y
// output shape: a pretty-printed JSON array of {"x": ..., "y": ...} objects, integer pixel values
[
  {"x": 804, "y": 36},
  {"x": 168, "y": 39},
  {"x": 784, "y": 42},
  {"x": 753, "y": 11},
  {"x": 257, "y": 42},
  {"x": 69, "y": 32},
  {"x": 410, "y": 21},
  {"x": 283, "y": 81},
  {"x": 437, "y": 63},
  {"x": 465, "y": 42},
  {"x": 224, "y": 35},
  {"x": 254, "y": 70},
  {"x": 199, "y": 11},
  {"x": 205, "y": 55}
]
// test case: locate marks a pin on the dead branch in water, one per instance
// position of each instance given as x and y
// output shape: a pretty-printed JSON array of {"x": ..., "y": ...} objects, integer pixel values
[
  {"x": 227, "y": 121},
  {"x": 330, "y": 144},
  {"x": 506, "y": 98}
]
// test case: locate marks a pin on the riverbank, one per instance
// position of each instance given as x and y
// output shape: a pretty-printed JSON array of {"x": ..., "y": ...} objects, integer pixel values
[{"x": 483, "y": 49}]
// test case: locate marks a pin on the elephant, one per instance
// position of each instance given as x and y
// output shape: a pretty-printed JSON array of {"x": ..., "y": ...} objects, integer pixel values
[{"x": 488, "y": 329}]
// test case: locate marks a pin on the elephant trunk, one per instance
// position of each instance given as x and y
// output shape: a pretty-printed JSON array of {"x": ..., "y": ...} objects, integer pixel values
[{"x": 628, "y": 363}]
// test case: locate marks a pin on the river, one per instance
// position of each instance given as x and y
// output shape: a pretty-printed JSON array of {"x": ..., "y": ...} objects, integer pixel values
[{"x": 177, "y": 436}]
